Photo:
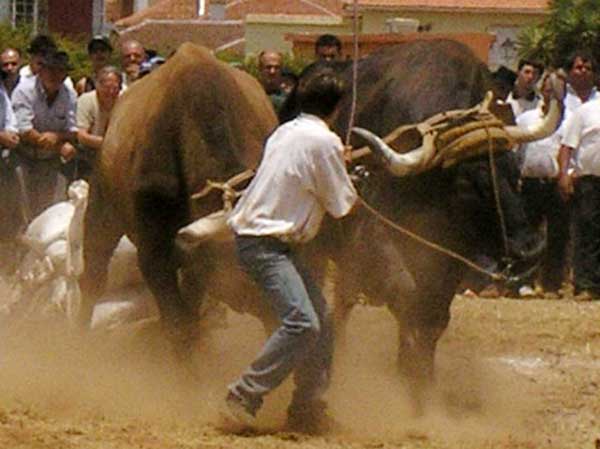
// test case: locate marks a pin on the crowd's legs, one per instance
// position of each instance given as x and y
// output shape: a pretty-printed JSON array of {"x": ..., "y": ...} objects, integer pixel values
[{"x": 586, "y": 216}]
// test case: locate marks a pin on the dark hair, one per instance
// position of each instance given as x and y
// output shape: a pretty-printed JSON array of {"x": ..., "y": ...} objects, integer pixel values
[
  {"x": 320, "y": 94},
  {"x": 150, "y": 53},
  {"x": 504, "y": 75},
  {"x": 532, "y": 62},
  {"x": 288, "y": 73},
  {"x": 41, "y": 44},
  {"x": 328, "y": 40},
  {"x": 585, "y": 56},
  {"x": 99, "y": 42},
  {"x": 56, "y": 60}
]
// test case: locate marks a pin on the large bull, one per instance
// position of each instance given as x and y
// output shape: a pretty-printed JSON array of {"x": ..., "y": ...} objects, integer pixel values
[
  {"x": 454, "y": 207},
  {"x": 192, "y": 120}
]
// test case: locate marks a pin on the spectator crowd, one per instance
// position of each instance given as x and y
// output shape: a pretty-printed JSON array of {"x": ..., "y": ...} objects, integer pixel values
[
  {"x": 51, "y": 129},
  {"x": 559, "y": 175}
]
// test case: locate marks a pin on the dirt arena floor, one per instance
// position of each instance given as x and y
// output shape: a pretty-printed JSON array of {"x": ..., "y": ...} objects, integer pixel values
[{"x": 511, "y": 374}]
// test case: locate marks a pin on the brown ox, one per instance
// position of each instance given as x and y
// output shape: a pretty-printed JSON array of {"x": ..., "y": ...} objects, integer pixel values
[{"x": 193, "y": 119}]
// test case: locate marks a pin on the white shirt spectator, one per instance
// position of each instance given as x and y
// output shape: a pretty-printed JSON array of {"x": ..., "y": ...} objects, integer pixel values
[
  {"x": 523, "y": 104},
  {"x": 540, "y": 156},
  {"x": 572, "y": 101},
  {"x": 303, "y": 162},
  {"x": 582, "y": 133}
]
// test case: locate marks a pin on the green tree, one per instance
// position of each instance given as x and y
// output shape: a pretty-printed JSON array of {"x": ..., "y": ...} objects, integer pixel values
[{"x": 571, "y": 24}]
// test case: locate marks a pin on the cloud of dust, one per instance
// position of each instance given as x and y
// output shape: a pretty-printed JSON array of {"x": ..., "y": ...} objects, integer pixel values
[
  {"x": 132, "y": 373},
  {"x": 473, "y": 399}
]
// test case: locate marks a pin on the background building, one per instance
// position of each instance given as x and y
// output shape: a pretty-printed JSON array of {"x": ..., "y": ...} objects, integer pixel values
[
  {"x": 68, "y": 17},
  {"x": 248, "y": 26}
]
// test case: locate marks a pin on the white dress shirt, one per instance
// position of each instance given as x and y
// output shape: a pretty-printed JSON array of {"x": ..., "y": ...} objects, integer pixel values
[{"x": 302, "y": 176}]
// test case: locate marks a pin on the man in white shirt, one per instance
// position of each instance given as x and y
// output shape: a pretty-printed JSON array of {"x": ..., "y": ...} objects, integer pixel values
[
  {"x": 580, "y": 67},
  {"x": 301, "y": 177},
  {"x": 580, "y": 150},
  {"x": 524, "y": 96},
  {"x": 544, "y": 206}
]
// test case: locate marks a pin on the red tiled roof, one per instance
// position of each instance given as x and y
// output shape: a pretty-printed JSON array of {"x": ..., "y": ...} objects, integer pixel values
[
  {"x": 164, "y": 9},
  {"x": 238, "y": 9},
  {"x": 166, "y": 37},
  {"x": 235, "y": 9},
  {"x": 499, "y": 5}
]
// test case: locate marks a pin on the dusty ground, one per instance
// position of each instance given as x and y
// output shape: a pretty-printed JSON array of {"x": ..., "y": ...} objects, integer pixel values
[{"x": 512, "y": 374}]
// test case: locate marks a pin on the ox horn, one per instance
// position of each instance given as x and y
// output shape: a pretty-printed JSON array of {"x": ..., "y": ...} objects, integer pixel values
[
  {"x": 399, "y": 164},
  {"x": 551, "y": 120}
]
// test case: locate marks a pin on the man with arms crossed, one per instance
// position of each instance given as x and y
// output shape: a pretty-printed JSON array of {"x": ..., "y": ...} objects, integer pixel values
[{"x": 45, "y": 111}]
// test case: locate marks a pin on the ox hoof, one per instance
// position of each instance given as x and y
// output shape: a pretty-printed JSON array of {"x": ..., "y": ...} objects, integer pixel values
[{"x": 311, "y": 418}]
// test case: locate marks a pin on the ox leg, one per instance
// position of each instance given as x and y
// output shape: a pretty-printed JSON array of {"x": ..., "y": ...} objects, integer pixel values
[
  {"x": 421, "y": 322},
  {"x": 416, "y": 353},
  {"x": 158, "y": 221},
  {"x": 344, "y": 296},
  {"x": 102, "y": 233}
]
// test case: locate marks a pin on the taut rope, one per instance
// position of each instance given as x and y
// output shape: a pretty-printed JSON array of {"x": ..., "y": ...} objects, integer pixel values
[
  {"x": 497, "y": 192},
  {"x": 354, "y": 69},
  {"x": 429, "y": 244}
]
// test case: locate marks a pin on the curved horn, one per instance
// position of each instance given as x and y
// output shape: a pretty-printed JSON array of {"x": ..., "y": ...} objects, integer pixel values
[
  {"x": 399, "y": 164},
  {"x": 551, "y": 120},
  {"x": 539, "y": 130}
]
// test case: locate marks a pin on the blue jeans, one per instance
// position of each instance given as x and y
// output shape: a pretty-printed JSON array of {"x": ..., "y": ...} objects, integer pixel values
[{"x": 303, "y": 343}]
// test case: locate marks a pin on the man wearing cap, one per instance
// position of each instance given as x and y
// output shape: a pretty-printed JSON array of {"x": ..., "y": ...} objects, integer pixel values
[
  {"x": 99, "y": 51},
  {"x": 45, "y": 112},
  {"x": 38, "y": 47}
]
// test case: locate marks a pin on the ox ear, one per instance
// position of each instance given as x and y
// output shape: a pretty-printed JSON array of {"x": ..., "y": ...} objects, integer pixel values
[
  {"x": 557, "y": 84},
  {"x": 558, "y": 81}
]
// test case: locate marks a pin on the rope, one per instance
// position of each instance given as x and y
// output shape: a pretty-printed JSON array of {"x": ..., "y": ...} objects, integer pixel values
[
  {"x": 497, "y": 191},
  {"x": 228, "y": 188},
  {"x": 354, "y": 69},
  {"x": 434, "y": 246}
]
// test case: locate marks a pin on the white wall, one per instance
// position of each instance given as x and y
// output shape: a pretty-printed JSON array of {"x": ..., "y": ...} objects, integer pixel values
[{"x": 139, "y": 5}]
